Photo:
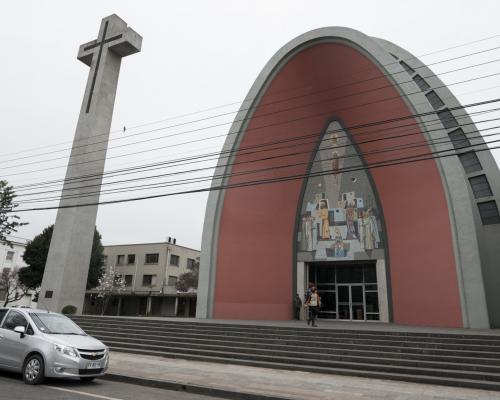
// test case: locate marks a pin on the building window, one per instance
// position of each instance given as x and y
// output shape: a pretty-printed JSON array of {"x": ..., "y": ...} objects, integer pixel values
[
  {"x": 480, "y": 186},
  {"x": 128, "y": 280},
  {"x": 174, "y": 260},
  {"x": 421, "y": 83},
  {"x": 408, "y": 69},
  {"x": 104, "y": 260},
  {"x": 458, "y": 139},
  {"x": 190, "y": 263},
  {"x": 435, "y": 100},
  {"x": 470, "y": 162},
  {"x": 172, "y": 280},
  {"x": 152, "y": 258},
  {"x": 489, "y": 213},
  {"x": 131, "y": 259},
  {"x": 10, "y": 256},
  {"x": 120, "y": 259},
  {"x": 148, "y": 280},
  {"x": 447, "y": 119}
]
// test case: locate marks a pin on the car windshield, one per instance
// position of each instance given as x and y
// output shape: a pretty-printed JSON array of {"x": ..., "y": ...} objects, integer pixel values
[{"x": 56, "y": 324}]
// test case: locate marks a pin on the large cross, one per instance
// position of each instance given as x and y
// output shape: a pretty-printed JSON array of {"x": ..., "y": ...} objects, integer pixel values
[
  {"x": 115, "y": 36},
  {"x": 68, "y": 260}
]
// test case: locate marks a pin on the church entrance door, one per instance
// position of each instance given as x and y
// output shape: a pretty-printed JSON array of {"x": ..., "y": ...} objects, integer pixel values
[
  {"x": 350, "y": 302},
  {"x": 348, "y": 290}
]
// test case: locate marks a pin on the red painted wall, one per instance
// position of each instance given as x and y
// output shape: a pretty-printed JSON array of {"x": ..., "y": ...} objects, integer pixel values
[{"x": 256, "y": 237}]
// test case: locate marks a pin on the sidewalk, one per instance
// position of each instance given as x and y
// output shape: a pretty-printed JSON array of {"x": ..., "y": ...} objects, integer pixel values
[{"x": 251, "y": 383}]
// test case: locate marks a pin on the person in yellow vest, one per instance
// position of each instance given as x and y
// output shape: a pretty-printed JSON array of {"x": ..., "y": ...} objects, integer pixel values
[{"x": 313, "y": 302}]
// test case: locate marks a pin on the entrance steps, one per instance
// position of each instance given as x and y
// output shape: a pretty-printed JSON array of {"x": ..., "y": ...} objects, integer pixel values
[{"x": 455, "y": 359}]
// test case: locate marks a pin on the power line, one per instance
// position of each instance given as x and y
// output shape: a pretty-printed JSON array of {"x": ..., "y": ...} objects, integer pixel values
[
  {"x": 151, "y": 166},
  {"x": 199, "y": 158},
  {"x": 395, "y": 162},
  {"x": 179, "y": 182},
  {"x": 385, "y": 75},
  {"x": 218, "y": 136},
  {"x": 243, "y": 153},
  {"x": 244, "y": 150}
]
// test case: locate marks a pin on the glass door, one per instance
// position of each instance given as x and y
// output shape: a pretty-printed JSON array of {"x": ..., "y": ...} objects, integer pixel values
[
  {"x": 357, "y": 303},
  {"x": 350, "y": 300},
  {"x": 344, "y": 302}
]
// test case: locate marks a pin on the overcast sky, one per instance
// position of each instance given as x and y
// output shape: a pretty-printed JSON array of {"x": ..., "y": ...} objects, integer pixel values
[{"x": 195, "y": 55}]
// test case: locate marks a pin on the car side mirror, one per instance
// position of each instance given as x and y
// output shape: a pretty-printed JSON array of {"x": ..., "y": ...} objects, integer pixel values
[{"x": 21, "y": 330}]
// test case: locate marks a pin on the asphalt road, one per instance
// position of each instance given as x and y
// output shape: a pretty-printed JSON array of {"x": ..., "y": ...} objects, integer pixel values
[{"x": 12, "y": 387}]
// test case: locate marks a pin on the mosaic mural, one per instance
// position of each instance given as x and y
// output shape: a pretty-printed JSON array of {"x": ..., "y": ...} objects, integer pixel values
[{"x": 339, "y": 215}]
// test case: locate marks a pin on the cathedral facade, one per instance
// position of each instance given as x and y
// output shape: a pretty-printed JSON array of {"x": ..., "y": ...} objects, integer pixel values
[{"x": 351, "y": 166}]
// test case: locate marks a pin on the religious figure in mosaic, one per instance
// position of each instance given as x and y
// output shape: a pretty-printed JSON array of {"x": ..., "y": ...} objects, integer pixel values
[
  {"x": 368, "y": 231},
  {"x": 325, "y": 221}
]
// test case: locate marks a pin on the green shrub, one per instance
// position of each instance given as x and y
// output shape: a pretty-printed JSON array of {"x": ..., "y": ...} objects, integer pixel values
[{"x": 69, "y": 309}]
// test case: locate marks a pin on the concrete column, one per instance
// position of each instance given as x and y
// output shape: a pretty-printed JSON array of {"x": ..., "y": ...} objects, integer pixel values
[
  {"x": 149, "y": 305},
  {"x": 176, "y": 306},
  {"x": 68, "y": 260},
  {"x": 119, "y": 308},
  {"x": 383, "y": 300}
]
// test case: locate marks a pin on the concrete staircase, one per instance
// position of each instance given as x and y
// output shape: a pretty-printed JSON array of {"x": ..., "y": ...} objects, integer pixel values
[{"x": 466, "y": 360}]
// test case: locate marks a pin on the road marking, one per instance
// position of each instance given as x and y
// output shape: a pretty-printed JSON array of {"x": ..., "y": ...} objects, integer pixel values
[{"x": 96, "y": 396}]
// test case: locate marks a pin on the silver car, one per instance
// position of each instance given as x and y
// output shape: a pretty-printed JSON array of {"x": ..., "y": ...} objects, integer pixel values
[{"x": 44, "y": 344}]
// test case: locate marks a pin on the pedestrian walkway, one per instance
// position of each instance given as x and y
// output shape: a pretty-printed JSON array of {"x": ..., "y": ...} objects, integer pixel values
[{"x": 208, "y": 378}]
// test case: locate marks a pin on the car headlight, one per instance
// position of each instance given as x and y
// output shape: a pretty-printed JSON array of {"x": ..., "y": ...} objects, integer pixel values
[{"x": 66, "y": 350}]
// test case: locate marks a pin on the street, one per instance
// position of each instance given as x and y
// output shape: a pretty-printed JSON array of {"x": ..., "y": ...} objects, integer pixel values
[{"x": 13, "y": 388}]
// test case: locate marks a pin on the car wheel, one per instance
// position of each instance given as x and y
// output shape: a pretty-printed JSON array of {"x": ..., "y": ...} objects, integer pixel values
[
  {"x": 33, "y": 370},
  {"x": 87, "y": 378}
]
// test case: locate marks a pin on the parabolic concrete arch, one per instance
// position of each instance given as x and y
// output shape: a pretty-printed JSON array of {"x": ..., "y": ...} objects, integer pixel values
[{"x": 433, "y": 252}]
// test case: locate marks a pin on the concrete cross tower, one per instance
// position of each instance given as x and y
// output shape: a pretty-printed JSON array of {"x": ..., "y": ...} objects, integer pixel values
[{"x": 68, "y": 260}]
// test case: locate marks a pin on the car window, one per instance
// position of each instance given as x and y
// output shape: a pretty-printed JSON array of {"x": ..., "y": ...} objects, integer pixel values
[
  {"x": 14, "y": 319},
  {"x": 55, "y": 324},
  {"x": 3, "y": 311}
]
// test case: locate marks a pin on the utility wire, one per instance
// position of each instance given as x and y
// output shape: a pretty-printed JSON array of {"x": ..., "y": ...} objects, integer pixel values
[
  {"x": 400, "y": 161},
  {"x": 218, "y": 125},
  {"x": 135, "y": 169},
  {"x": 384, "y": 76},
  {"x": 243, "y": 153},
  {"x": 244, "y": 150},
  {"x": 410, "y": 146}
]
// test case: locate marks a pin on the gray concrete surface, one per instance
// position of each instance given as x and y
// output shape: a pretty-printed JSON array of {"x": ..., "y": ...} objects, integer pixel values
[
  {"x": 13, "y": 388},
  {"x": 325, "y": 324},
  {"x": 281, "y": 384},
  {"x": 68, "y": 260}
]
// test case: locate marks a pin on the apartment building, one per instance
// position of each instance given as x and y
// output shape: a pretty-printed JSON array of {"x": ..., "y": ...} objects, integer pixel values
[
  {"x": 12, "y": 258},
  {"x": 150, "y": 271}
]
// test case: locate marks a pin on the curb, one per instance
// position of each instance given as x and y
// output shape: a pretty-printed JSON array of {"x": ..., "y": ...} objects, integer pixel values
[{"x": 189, "y": 388}]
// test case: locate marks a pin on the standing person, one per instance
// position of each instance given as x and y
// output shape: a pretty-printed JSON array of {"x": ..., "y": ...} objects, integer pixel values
[
  {"x": 307, "y": 295},
  {"x": 313, "y": 303}
]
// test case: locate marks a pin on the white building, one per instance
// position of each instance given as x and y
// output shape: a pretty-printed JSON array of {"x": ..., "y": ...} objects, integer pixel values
[
  {"x": 151, "y": 271},
  {"x": 12, "y": 258}
]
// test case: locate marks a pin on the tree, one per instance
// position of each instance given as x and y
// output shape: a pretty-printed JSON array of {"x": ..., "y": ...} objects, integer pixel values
[
  {"x": 188, "y": 281},
  {"x": 8, "y": 222},
  {"x": 37, "y": 250},
  {"x": 109, "y": 283},
  {"x": 11, "y": 287}
]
